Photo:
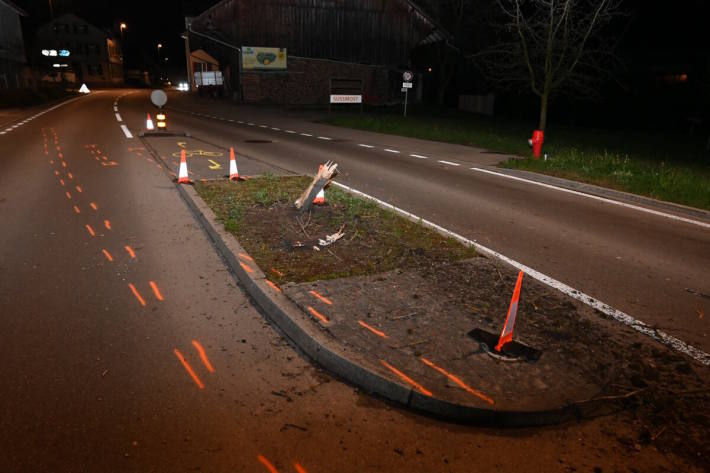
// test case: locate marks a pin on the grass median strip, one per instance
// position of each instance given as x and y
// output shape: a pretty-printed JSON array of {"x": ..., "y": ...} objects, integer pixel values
[{"x": 260, "y": 214}]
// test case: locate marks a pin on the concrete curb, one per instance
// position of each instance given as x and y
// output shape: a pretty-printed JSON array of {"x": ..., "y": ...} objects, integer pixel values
[
  {"x": 612, "y": 194},
  {"x": 283, "y": 312}
]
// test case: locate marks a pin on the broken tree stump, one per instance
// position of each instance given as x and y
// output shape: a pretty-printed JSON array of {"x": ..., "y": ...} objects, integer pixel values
[{"x": 325, "y": 174}]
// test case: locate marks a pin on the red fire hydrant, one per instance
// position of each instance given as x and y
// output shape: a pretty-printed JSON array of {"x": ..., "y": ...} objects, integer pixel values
[{"x": 538, "y": 138}]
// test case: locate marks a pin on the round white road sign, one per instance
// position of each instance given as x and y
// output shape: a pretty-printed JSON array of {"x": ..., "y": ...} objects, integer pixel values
[
  {"x": 408, "y": 76},
  {"x": 159, "y": 98}
]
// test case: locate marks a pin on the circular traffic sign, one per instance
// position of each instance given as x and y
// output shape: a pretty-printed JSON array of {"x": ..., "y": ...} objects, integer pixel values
[
  {"x": 407, "y": 76},
  {"x": 159, "y": 98}
]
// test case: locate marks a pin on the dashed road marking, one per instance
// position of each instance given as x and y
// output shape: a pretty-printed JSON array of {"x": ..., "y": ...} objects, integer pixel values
[
  {"x": 126, "y": 131},
  {"x": 448, "y": 162},
  {"x": 391, "y": 150},
  {"x": 118, "y": 117},
  {"x": 365, "y": 146},
  {"x": 306, "y": 134},
  {"x": 419, "y": 156},
  {"x": 324, "y": 138}
]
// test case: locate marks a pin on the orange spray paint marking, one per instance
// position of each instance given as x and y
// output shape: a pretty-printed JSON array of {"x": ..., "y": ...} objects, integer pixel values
[
  {"x": 68, "y": 195},
  {"x": 60, "y": 155},
  {"x": 246, "y": 257},
  {"x": 59, "y": 148},
  {"x": 188, "y": 368},
  {"x": 373, "y": 329},
  {"x": 91, "y": 230},
  {"x": 56, "y": 173},
  {"x": 322, "y": 298},
  {"x": 458, "y": 381},
  {"x": 71, "y": 176},
  {"x": 267, "y": 464},
  {"x": 317, "y": 315},
  {"x": 203, "y": 356},
  {"x": 78, "y": 188},
  {"x": 46, "y": 152},
  {"x": 61, "y": 181},
  {"x": 407, "y": 379},
  {"x": 51, "y": 161},
  {"x": 299, "y": 468},
  {"x": 64, "y": 164},
  {"x": 130, "y": 251},
  {"x": 97, "y": 158},
  {"x": 273, "y": 286},
  {"x": 104, "y": 158},
  {"x": 107, "y": 255},
  {"x": 246, "y": 267},
  {"x": 76, "y": 209},
  {"x": 137, "y": 294},
  {"x": 277, "y": 272},
  {"x": 94, "y": 206},
  {"x": 107, "y": 224},
  {"x": 156, "y": 291}
]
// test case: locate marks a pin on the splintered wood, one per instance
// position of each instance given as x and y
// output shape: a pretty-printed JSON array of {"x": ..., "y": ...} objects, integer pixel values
[{"x": 324, "y": 175}]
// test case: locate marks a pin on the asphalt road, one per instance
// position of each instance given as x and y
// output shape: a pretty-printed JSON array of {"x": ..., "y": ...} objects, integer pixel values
[{"x": 127, "y": 346}]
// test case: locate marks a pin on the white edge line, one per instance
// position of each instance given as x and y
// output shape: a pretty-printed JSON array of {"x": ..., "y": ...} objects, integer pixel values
[
  {"x": 619, "y": 316},
  {"x": 594, "y": 197},
  {"x": 419, "y": 156},
  {"x": 448, "y": 162},
  {"x": 365, "y": 146},
  {"x": 291, "y": 131},
  {"x": 275, "y": 129},
  {"x": 305, "y": 134},
  {"x": 391, "y": 150},
  {"x": 324, "y": 138},
  {"x": 118, "y": 118},
  {"x": 126, "y": 131}
]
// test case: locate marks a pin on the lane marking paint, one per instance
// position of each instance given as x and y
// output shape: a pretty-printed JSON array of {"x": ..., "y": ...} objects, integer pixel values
[
  {"x": 372, "y": 329},
  {"x": 273, "y": 286},
  {"x": 93, "y": 206},
  {"x": 137, "y": 294},
  {"x": 275, "y": 129},
  {"x": 448, "y": 162},
  {"x": 250, "y": 124},
  {"x": 189, "y": 369},
  {"x": 458, "y": 381},
  {"x": 365, "y": 146},
  {"x": 406, "y": 379},
  {"x": 391, "y": 150},
  {"x": 203, "y": 356},
  {"x": 277, "y": 272},
  {"x": 64, "y": 164},
  {"x": 263, "y": 126},
  {"x": 320, "y": 297},
  {"x": 107, "y": 254},
  {"x": 306, "y": 134},
  {"x": 118, "y": 118},
  {"x": 126, "y": 131},
  {"x": 107, "y": 224},
  {"x": 56, "y": 173},
  {"x": 115, "y": 108},
  {"x": 130, "y": 251},
  {"x": 76, "y": 209},
  {"x": 600, "y": 199},
  {"x": 317, "y": 315},
  {"x": 156, "y": 291},
  {"x": 291, "y": 132},
  {"x": 419, "y": 156},
  {"x": 71, "y": 176},
  {"x": 617, "y": 315},
  {"x": 61, "y": 182},
  {"x": 324, "y": 138},
  {"x": 267, "y": 463}
]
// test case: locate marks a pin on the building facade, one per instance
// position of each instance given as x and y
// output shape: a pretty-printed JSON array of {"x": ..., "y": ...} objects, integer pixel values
[
  {"x": 68, "y": 44},
  {"x": 366, "y": 41},
  {"x": 12, "y": 46}
]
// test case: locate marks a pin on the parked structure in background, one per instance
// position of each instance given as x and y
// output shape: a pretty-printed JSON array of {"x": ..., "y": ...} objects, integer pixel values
[
  {"x": 288, "y": 51},
  {"x": 12, "y": 47},
  {"x": 70, "y": 44}
]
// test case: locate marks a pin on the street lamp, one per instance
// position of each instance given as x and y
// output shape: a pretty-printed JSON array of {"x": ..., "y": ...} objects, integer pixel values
[
  {"x": 122, "y": 26},
  {"x": 159, "y": 46}
]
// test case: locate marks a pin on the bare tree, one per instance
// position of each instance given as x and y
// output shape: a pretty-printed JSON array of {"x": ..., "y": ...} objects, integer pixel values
[{"x": 553, "y": 46}]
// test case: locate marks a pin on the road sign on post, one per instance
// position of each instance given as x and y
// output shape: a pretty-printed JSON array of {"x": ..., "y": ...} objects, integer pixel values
[{"x": 406, "y": 85}]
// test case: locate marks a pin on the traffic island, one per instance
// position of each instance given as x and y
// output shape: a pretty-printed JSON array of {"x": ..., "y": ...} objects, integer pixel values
[{"x": 394, "y": 308}]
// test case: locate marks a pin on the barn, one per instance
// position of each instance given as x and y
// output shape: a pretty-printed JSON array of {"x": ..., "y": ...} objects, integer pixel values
[{"x": 299, "y": 51}]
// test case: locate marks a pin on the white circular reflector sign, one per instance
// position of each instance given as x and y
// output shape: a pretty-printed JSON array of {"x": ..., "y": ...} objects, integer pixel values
[{"x": 159, "y": 98}]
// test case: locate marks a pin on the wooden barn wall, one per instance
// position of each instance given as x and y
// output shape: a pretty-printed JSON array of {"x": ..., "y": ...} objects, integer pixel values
[{"x": 363, "y": 31}]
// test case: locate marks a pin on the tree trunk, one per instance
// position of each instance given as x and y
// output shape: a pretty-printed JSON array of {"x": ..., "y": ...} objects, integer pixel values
[{"x": 544, "y": 98}]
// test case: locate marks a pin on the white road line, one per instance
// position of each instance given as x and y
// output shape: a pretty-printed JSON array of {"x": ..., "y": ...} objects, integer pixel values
[
  {"x": 118, "y": 118},
  {"x": 263, "y": 126},
  {"x": 305, "y": 134},
  {"x": 126, "y": 131},
  {"x": 275, "y": 129},
  {"x": 324, "y": 138},
  {"x": 658, "y": 335},
  {"x": 240, "y": 122},
  {"x": 365, "y": 146},
  {"x": 391, "y": 150},
  {"x": 2, "y": 132},
  {"x": 448, "y": 162},
  {"x": 250, "y": 124},
  {"x": 115, "y": 108},
  {"x": 601, "y": 199},
  {"x": 231, "y": 120},
  {"x": 291, "y": 131},
  {"x": 419, "y": 156}
]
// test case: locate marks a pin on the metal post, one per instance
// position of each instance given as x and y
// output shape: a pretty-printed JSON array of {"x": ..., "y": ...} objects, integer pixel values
[{"x": 406, "y": 93}]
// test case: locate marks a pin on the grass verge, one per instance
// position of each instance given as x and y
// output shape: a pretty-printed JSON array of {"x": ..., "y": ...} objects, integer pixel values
[
  {"x": 261, "y": 215},
  {"x": 666, "y": 166}
]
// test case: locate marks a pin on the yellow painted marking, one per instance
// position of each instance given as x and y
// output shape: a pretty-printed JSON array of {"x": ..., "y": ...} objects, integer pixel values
[{"x": 215, "y": 165}]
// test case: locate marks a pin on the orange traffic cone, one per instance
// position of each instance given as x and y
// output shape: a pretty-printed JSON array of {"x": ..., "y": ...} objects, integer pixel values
[
  {"x": 506, "y": 334},
  {"x": 149, "y": 123},
  {"x": 182, "y": 175},
  {"x": 233, "y": 173}
]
